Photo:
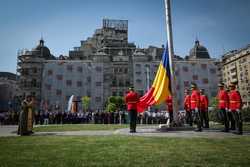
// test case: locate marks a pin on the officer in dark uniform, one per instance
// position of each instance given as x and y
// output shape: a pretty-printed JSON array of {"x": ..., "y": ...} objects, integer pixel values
[{"x": 131, "y": 100}]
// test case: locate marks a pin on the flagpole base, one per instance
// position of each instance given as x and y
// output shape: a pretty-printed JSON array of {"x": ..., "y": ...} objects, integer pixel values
[{"x": 167, "y": 128}]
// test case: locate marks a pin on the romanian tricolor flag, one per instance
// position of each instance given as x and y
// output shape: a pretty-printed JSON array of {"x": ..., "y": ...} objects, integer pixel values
[{"x": 161, "y": 87}]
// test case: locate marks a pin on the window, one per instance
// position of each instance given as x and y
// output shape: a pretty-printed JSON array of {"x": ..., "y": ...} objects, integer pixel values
[
  {"x": 79, "y": 69},
  {"x": 98, "y": 84},
  {"x": 138, "y": 81},
  {"x": 79, "y": 83},
  {"x": 120, "y": 93},
  {"x": 204, "y": 66},
  {"x": 68, "y": 82},
  {"x": 33, "y": 83},
  {"x": 115, "y": 70},
  {"x": 185, "y": 69},
  {"x": 67, "y": 98},
  {"x": 127, "y": 83},
  {"x": 70, "y": 68},
  {"x": 176, "y": 73},
  {"x": 205, "y": 80},
  {"x": 59, "y": 77},
  {"x": 88, "y": 79},
  {"x": 34, "y": 70},
  {"x": 98, "y": 99},
  {"x": 99, "y": 69},
  {"x": 88, "y": 93},
  {"x": 113, "y": 93},
  {"x": 138, "y": 65},
  {"x": 125, "y": 70},
  {"x": 48, "y": 86},
  {"x": 186, "y": 83},
  {"x": 195, "y": 77},
  {"x": 50, "y": 72},
  {"x": 138, "y": 72},
  {"x": 58, "y": 92},
  {"x": 212, "y": 71},
  {"x": 121, "y": 83},
  {"x": 120, "y": 70}
]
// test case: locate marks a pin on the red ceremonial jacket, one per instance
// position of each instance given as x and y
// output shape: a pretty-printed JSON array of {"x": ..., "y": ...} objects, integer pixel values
[
  {"x": 195, "y": 99},
  {"x": 131, "y": 100},
  {"x": 169, "y": 102},
  {"x": 203, "y": 103},
  {"x": 223, "y": 99},
  {"x": 234, "y": 100},
  {"x": 187, "y": 103}
]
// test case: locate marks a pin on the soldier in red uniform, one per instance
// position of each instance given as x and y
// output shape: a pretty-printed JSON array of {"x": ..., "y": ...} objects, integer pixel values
[
  {"x": 204, "y": 109},
  {"x": 187, "y": 108},
  {"x": 195, "y": 106},
  {"x": 169, "y": 102},
  {"x": 131, "y": 100},
  {"x": 223, "y": 104},
  {"x": 235, "y": 104}
]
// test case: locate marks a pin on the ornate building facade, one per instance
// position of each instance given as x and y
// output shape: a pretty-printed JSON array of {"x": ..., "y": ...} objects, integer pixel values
[
  {"x": 236, "y": 68},
  {"x": 106, "y": 64}
]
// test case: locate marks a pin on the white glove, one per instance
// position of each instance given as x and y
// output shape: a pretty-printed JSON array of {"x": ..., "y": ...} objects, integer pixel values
[
  {"x": 196, "y": 110},
  {"x": 229, "y": 110},
  {"x": 237, "y": 110}
]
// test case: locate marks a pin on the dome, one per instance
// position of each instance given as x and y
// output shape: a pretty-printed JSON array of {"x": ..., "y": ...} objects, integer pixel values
[
  {"x": 42, "y": 49},
  {"x": 199, "y": 51},
  {"x": 139, "y": 52}
]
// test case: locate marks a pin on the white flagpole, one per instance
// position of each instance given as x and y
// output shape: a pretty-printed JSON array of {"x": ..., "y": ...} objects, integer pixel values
[{"x": 171, "y": 56}]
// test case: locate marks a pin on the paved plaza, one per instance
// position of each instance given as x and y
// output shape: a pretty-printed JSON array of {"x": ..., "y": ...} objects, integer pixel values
[{"x": 146, "y": 131}]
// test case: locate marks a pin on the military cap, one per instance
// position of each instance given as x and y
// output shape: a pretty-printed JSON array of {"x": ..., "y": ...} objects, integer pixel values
[
  {"x": 221, "y": 84},
  {"x": 193, "y": 85}
]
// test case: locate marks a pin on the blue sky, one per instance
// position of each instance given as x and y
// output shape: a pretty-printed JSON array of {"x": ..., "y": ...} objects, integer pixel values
[{"x": 220, "y": 25}]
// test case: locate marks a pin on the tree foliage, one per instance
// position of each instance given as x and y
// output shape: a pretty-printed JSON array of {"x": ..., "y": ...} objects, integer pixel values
[
  {"x": 115, "y": 103},
  {"x": 85, "y": 102}
]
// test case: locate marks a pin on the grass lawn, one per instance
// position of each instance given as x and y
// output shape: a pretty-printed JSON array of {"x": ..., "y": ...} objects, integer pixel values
[
  {"x": 54, "y": 151},
  {"x": 78, "y": 127}
]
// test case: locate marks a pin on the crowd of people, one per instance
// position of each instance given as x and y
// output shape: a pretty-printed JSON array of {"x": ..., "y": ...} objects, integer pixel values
[
  {"x": 94, "y": 117},
  {"x": 195, "y": 106}
]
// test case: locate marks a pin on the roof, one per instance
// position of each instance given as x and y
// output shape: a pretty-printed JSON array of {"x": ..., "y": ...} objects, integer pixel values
[
  {"x": 199, "y": 51},
  {"x": 8, "y": 75}
]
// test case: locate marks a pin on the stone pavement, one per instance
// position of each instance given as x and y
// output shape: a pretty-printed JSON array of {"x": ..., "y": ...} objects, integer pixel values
[
  {"x": 146, "y": 131},
  {"x": 8, "y": 130}
]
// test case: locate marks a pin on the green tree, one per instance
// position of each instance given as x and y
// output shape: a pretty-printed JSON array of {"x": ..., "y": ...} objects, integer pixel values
[
  {"x": 111, "y": 107},
  {"x": 85, "y": 102},
  {"x": 214, "y": 112},
  {"x": 115, "y": 103}
]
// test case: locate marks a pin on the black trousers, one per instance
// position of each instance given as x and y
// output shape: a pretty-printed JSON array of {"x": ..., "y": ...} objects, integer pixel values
[
  {"x": 133, "y": 119},
  {"x": 171, "y": 116},
  {"x": 238, "y": 121},
  {"x": 197, "y": 119},
  {"x": 231, "y": 120},
  {"x": 204, "y": 119},
  {"x": 225, "y": 119},
  {"x": 189, "y": 118}
]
